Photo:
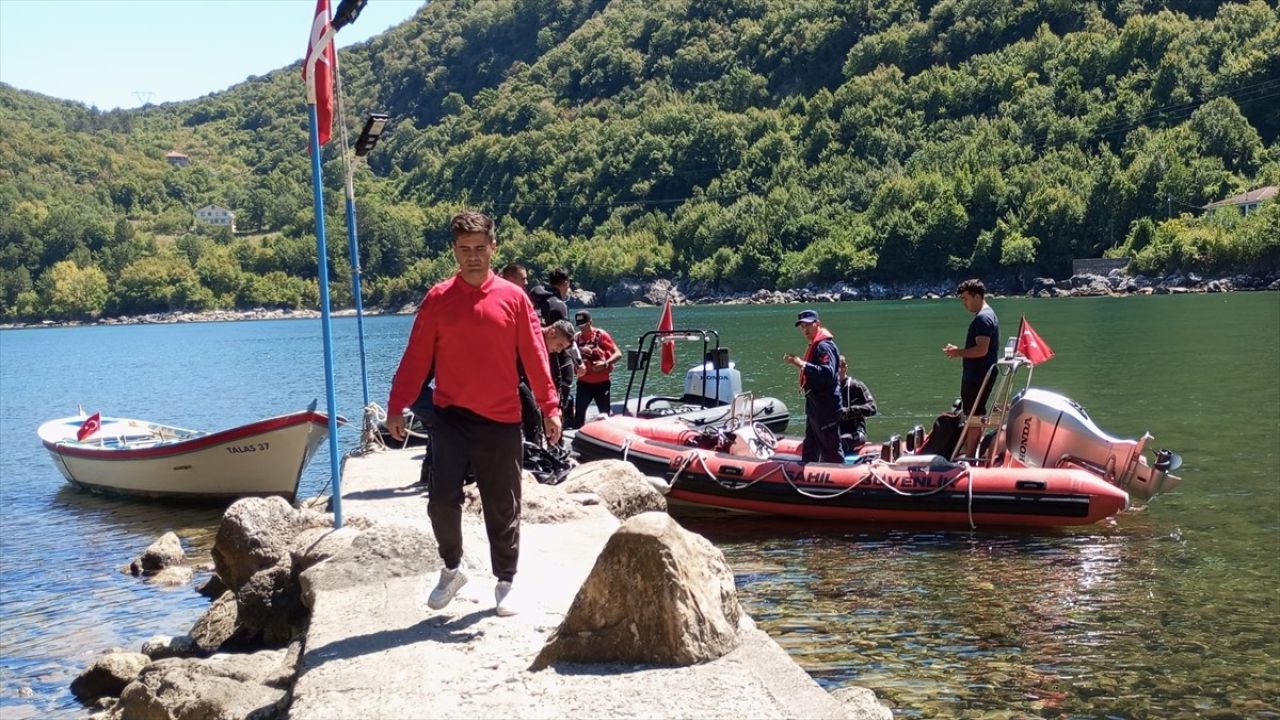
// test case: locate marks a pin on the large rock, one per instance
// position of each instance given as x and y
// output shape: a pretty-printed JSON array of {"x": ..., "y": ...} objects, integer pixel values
[
  {"x": 382, "y": 552},
  {"x": 1088, "y": 285},
  {"x": 213, "y": 587},
  {"x": 268, "y": 607},
  {"x": 318, "y": 544},
  {"x": 160, "y": 647},
  {"x": 861, "y": 703},
  {"x": 657, "y": 594},
  {"x": 108, "y": 675},
  {"x": 632, "y": 291},
  {"x": 217, "y": 626},
  {"x": 624, "y": 489},
  {"x": 164, "y": 552},
  {"x": 172, "y": 576},
  {"x": 539, "y": 504},
  {"x": 223, "y": 687},
  {"x": 256, "y": 534}
]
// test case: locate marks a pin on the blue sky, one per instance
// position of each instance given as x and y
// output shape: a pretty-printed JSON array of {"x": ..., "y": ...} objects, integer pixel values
[{"x": 108, "y": 52}]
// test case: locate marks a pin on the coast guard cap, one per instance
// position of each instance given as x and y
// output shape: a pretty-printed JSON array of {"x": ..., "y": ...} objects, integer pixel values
[
  {"x": 806, "y": 316},
  {"x": 582, "y": 317}
]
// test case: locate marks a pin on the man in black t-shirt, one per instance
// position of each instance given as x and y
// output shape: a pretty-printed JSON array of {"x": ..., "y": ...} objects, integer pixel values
[
  {"x": 981, "y": 348},
  {"x": 549, "y": 300}
]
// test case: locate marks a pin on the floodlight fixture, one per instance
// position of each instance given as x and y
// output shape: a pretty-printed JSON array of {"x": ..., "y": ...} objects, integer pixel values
[
  {"x": 347, "y": 12},
  {"x": 373, "y": 126}
]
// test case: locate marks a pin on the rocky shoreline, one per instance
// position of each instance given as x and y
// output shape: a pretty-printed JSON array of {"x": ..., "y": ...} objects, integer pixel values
[
  {"x": 1115, "y": 283},
  {"x": 639, "y": 293},
  {"x": 626, "y": 614}
]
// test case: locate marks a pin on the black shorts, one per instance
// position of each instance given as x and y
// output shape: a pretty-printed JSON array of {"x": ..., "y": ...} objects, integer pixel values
[{"x": 970, "y": 400}]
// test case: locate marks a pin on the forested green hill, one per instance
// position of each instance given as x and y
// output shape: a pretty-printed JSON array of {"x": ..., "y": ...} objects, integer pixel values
[{"x": 727, "y": 143}]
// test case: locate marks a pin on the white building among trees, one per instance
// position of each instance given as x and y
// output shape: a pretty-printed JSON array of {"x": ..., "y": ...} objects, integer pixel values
[
  {"x": 217, "y": 216},
  {"x": 1246, "y": 202}
]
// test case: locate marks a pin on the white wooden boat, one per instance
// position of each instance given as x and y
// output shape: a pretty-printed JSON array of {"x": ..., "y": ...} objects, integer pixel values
[{"x": 136, "y": 457}]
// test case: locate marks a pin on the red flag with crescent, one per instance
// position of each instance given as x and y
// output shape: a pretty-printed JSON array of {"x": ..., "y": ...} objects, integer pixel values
[
  {"x": 1030, "y": 345},
  {"x": 91, "y": 425}
]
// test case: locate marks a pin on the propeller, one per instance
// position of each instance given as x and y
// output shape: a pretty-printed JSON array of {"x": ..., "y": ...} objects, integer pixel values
[{"x": 1167, "y": 460}]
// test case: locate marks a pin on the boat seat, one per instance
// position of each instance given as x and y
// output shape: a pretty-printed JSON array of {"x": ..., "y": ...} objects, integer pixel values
[{"x": 932, "y": 463}]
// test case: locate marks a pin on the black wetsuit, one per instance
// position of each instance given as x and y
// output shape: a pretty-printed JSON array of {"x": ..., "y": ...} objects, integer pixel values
[{"x": 857, "y": 405}]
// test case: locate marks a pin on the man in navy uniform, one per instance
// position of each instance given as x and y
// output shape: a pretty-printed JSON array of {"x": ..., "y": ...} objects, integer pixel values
[{"x": 819, "y": 372}]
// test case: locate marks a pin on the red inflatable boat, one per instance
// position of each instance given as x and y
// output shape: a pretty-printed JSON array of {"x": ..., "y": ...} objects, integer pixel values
[{"x": 1048, "y": 465}]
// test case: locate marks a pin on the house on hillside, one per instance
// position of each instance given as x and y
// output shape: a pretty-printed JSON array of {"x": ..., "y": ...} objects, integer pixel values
[
  {"x": 177, "y": 159},
  {"x": 217, "y": 216},
  {"x": 1247, "y": 202}
]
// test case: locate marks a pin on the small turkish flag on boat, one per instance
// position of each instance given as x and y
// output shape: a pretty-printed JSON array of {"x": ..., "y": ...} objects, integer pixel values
[
  {"x": 91, "y": 425},
  {"x": 1030, "y": 345},
  {"x": 665, "y": 324}
]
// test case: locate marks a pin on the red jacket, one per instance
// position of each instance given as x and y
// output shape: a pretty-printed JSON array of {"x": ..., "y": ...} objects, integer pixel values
[
  {"x": 472, "y": 336},
  {"x": 596, "y": 348}
]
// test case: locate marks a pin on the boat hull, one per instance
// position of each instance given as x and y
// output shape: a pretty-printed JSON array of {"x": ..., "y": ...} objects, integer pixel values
[
  {"x": 264, "y": 458},
  {"x": 939, "y": 493}
]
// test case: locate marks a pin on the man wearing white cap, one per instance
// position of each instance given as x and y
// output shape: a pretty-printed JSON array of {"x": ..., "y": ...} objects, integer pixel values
[{"x": 819, "y": 380}]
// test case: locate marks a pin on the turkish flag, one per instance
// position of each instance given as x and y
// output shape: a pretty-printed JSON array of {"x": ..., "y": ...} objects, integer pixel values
[
  {"x": 668, "y": 346},
  {"x": 325, "y": 66},
  {"x": 91, "y": 425},
  {"x": 1030, "y": 345}
]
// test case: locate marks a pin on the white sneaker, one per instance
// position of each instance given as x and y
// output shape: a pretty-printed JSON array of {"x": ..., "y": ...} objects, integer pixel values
[
  {"x": 451, "y": 581},
  {"x": 507, "y": 601}
]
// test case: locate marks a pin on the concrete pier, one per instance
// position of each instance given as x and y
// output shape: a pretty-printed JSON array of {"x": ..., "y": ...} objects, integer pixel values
[{"x": 379, "y": 652}]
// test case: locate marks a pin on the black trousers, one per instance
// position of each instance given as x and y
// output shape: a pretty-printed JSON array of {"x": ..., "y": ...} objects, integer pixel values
[
  {"x": 587, "y": 394},
  {"x": 822, "y": 431},
  {"x": 493, "y": 451},
  {"x": 530, "y": 416}
]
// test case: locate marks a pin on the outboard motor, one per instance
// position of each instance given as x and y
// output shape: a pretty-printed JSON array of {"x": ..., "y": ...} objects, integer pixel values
[
  {"x": 730, "y": 383},
  {"x": 1046, "y": 429}
]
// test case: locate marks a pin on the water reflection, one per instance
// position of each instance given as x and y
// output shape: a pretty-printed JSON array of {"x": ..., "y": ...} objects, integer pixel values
[
  {"x": 76, "y": 559},
  {"x": 964, "y": 624}
]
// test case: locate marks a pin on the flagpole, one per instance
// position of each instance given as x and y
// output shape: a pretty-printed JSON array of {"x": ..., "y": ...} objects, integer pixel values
[
  {"x": 322, "y": 261},
  {"x": 353, "y": 240},
  {"x": 353, "y": 247}
]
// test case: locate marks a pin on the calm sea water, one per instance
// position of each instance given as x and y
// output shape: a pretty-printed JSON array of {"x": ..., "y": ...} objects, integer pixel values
[{"x": 1168, "y": 612}]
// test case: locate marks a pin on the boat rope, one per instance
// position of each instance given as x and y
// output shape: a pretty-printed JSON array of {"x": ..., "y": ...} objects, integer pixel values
[
  {"x": 370, "y": 433},
  {"x": 688, "y": 460},
  {"x": 780, "y": 468}
]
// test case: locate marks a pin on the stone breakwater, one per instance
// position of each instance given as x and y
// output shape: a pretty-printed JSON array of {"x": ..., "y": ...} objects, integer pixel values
[{"x": 624, "y": 614}]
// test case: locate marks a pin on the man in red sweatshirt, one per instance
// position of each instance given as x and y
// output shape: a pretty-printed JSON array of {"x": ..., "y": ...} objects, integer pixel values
[{"x": 472, "y": 328}]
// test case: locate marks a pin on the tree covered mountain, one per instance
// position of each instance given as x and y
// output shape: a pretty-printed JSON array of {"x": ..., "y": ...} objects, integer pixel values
[{"x": 732, "y": 144}]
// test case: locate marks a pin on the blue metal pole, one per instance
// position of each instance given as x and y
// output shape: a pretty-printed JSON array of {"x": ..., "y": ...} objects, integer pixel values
[
  {"x": 322, "y": 251},
  {"x": 353, "y": 246}
]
